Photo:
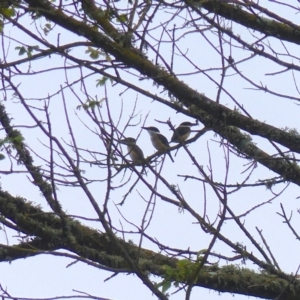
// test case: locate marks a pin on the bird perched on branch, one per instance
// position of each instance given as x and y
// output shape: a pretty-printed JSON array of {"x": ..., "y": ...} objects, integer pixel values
[
  {"x": 158, "y": 140},
  {"x": 182, "y": 132},
  {"x": 135, "y": 152}
]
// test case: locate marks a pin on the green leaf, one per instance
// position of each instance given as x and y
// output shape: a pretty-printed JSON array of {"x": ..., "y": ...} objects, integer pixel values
[
  {"x": 102, "y": 81},
  {"x": 94, "y": 53},
  {"x": 17, "y": 139},
  {"x": 166, "y": 285},
  {"x": 122, "y": 18},
  {"x": 8, "y": 12},
  {"x": 90, "y": 104},
  {"x": 28, "y": 50},
  {"x": 47, "y": 28},
  {"x": 22, "y": 50}
]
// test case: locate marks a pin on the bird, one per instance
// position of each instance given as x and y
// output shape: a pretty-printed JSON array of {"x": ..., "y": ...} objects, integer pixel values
[
  {"x": 158, "y": 140},
  {"x": 135, "y": 152},
  {"x": 182, "y": 132}
]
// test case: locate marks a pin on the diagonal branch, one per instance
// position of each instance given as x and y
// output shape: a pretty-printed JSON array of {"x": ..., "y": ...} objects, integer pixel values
[{"x": 284, "y": 29}]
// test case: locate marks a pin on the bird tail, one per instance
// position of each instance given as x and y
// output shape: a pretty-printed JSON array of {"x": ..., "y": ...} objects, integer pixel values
[{"x": 170, "y": 156}]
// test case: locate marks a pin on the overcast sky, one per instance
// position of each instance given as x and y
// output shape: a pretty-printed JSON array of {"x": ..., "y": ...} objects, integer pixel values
[{"x": 49, "y": 276}]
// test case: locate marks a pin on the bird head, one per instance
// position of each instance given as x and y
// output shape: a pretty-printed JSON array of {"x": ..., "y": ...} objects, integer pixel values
[
  {"x": 128, "y": 141},
  {"x": 187, "y": 124},
  {"x": 151, "y": 129}
]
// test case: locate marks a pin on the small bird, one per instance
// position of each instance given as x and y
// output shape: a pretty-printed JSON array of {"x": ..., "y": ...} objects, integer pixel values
[
  {"x": 134, "y": 151},
  {"x": 182, "y": 132},
  {"x": 158, "y": 140}
]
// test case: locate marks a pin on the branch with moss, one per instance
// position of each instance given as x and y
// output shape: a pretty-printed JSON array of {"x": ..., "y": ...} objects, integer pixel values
[{"x": 91, "y": 246}]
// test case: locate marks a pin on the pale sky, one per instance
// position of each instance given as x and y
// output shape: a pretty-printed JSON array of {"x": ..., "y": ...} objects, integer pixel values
[{"x": 47, "y": 276}]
